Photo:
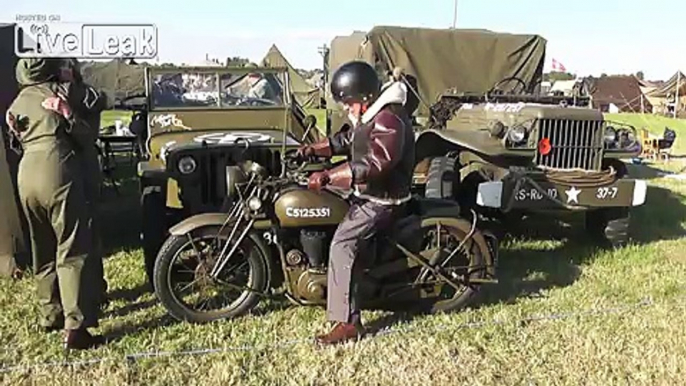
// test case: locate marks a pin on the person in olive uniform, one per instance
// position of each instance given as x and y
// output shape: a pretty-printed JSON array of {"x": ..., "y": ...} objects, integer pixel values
[
  {"x": 86, "y": 105},
  {"x": 51, "y": 191}
]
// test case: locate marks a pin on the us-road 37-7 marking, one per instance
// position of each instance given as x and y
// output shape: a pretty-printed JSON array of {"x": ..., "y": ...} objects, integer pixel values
[
  {"x": 605, "y": 193},
  {"x": 534, "y": 195}
]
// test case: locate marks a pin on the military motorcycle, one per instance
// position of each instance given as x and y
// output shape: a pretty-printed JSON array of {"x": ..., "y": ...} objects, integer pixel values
[{"x": 274, "y": 242}]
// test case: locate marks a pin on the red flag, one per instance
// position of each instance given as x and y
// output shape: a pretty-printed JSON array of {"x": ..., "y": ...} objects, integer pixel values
[{"x": 558, "y": 67}]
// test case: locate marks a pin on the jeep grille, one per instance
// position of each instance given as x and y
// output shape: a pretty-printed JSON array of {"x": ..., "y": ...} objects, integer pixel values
[
  {"x": 210, "y": 193},
  {"x": 575, "y": 144}
]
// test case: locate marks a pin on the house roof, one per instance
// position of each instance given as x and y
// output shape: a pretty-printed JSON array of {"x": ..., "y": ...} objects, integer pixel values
[{"x": 623, "y": 91}]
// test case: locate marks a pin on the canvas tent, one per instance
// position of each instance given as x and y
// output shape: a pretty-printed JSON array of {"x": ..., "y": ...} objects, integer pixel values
[
  {"x": 307, "y": 95},
  {"x": 317, "y": 80},
  {"x": 667, "y": 93},
  {"x": 465, "y": 60},
  {"x": 116, "y": 79},
  {"x": 14, "y": 237},
  {"x": 618, "y": 94},
  {"x": 566, "y": 87}
]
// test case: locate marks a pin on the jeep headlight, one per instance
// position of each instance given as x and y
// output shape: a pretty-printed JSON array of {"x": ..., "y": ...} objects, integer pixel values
[
  {"x": 517, "y": 134},
  {"x": 610, "y": 135},
  {"x": 187, "y": 165}
]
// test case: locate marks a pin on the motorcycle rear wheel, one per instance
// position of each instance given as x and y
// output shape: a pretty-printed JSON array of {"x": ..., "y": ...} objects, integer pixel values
[
  {"x": 250, "y": 254},
  {"x": 469, "y": 264}
]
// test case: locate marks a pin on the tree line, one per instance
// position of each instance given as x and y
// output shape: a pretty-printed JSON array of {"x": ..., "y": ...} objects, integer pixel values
[{"x": 555, "y": 76}]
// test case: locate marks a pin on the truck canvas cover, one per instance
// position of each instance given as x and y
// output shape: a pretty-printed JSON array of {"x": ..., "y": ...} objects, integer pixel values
[{"x": 465, "y": 60}]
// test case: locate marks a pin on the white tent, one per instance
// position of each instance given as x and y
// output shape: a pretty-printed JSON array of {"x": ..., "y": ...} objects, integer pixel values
[{"x": 564, "y": 86}]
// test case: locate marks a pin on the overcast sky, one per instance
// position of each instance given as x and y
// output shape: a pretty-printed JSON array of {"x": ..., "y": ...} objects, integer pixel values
[{"x": 588, "y": 37}]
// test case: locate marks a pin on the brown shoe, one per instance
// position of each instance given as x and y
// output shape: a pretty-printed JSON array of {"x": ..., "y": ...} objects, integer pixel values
[
  {"x": 52, "y": 327},
  {"x": 342, "y": 332},
  {"x": 81, "y": 339},
  {"x": 17, "y": 274},
  {"x": 52, "y": 324}
]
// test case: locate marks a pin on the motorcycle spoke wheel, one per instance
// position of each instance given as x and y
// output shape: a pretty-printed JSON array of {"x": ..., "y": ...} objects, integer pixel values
[
  {"x": 188, "y": 290},
  {"x": 201, "y": 292},
  {"x": 445, "y": 247}
]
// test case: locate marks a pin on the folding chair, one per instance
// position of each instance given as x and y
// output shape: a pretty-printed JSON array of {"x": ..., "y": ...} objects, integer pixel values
[
  {"x": 666, "y": 144},
  {"x": 647, "y": 144},
  {"x": 107, "y": 168}
]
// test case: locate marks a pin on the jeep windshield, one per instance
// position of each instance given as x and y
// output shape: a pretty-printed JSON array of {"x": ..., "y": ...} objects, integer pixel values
[{"x": 187, "y": 88}]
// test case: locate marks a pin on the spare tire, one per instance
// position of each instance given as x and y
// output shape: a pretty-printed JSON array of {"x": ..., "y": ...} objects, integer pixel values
[{"x": 442, "y": 178}]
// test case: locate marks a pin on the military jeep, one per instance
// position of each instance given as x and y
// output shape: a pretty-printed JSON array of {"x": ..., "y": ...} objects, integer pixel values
[
  {"x": 507, "y": 155},
  {"x": 200, "y": 121}
]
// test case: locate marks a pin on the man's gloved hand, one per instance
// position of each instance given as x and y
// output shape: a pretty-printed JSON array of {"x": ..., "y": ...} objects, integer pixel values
[
  {"x": 319, "y": 149},
  {"x": 305, "y": 151},
  {"x": 57, "y": 105},
  {"x": 318, "y": 180}
]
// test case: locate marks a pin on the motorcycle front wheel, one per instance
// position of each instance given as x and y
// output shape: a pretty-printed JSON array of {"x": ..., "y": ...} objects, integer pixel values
[{"x": 184, "y": 286}]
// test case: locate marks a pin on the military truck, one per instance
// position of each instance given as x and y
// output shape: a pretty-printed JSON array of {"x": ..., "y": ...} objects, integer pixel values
[
  {"x": 200, "y": 120},
  {"x": 513, "y": 155},
  {"x": 487, "y": 137}
]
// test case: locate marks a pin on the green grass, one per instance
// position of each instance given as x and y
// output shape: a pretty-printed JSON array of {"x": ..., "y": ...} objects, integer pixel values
[
  {"x": 108, "y": 117},
  {"x": 544, "y": 270},
  {"x": 655, "y": 124},
  {"x": 320, "y": 114}
]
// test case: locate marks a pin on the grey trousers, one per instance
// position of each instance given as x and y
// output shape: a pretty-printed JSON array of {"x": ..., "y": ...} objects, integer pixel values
[{"x": 350, "y": 240}]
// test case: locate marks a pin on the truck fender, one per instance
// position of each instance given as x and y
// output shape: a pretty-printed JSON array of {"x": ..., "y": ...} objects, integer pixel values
[{"x": 441, "y": 143}]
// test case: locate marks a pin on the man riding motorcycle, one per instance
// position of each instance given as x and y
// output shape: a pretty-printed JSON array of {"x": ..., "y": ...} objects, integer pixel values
[{"x": 380, "y": 150}]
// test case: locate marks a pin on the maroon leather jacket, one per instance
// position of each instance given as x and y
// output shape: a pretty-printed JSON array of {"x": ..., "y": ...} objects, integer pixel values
[{"x": 380, "y": 153}]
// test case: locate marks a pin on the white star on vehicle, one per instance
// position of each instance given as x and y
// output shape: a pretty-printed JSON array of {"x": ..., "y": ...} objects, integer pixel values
[{"x": 573, "y": 195}]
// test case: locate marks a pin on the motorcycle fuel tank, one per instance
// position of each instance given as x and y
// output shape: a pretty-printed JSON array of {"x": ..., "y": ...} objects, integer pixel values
[{"x": 302, "y": 207}]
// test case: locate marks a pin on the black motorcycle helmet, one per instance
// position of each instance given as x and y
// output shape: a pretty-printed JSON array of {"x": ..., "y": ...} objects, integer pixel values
[{"x": 355, "y": 81}]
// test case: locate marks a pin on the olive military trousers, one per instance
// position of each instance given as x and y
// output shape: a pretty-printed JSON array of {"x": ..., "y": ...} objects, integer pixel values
[
  {"x": 360, "y": 224},
  {"x": 92, "y": 189},
  {"x": 52, "y": 194}
]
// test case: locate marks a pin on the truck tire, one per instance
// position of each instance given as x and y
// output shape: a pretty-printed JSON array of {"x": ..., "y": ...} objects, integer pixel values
[
  {"x": 442, "y": 178},
  {"x": 609, "y": 226},
  {"x": 153, "y": 229}
]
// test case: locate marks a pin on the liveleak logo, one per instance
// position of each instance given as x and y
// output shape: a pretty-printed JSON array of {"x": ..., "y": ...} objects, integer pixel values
[{"x": 87, "y": 41}]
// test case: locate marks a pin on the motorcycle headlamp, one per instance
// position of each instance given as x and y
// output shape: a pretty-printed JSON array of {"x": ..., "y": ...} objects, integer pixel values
[
  {"x": 187, "y": 165},
  {"x": 254, "y": 203},
  {"x": 517, "y": 134},
  {"x": 610, "y": 135}
]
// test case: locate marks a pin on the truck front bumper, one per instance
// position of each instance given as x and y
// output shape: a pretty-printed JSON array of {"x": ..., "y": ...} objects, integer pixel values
[{"x": 525, "y": 193}]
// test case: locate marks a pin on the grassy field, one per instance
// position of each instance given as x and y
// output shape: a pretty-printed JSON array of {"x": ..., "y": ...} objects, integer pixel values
[
  {"x": 655, "y": 124},
  {"x": 564, "y": 312}
]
